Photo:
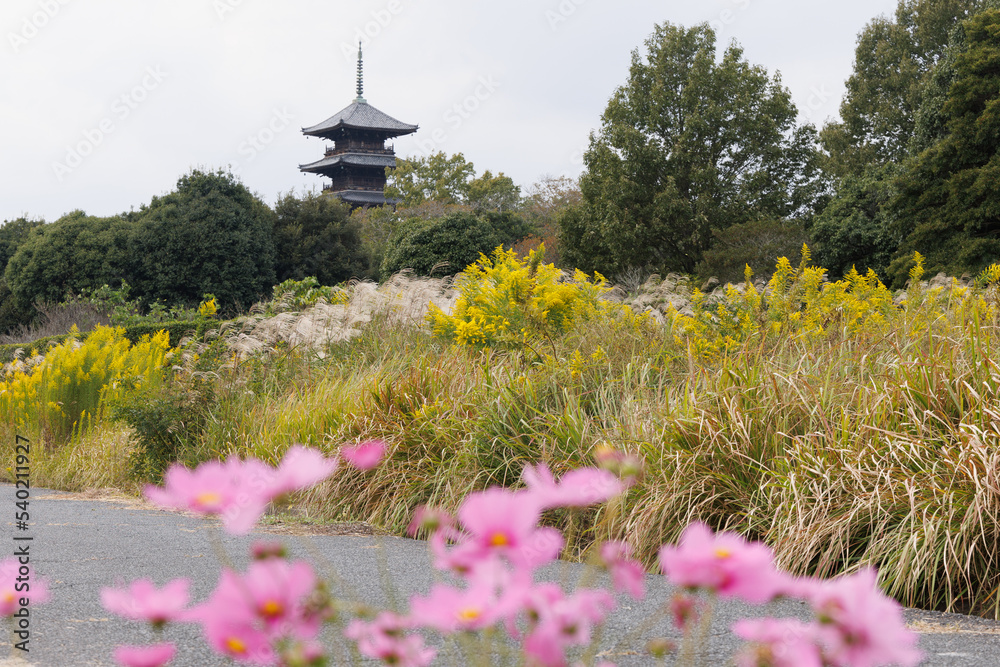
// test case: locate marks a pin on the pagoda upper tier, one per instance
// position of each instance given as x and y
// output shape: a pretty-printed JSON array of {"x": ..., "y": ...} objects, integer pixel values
[{"x": 356, "y": 162}]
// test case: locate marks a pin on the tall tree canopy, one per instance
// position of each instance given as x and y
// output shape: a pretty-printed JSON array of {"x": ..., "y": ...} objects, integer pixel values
[
  {"x": 690, "y": 144},
  {"x": 948, "y": 206},
  {"x": 450, "y": 180},
  {"x": 893, "y": 61}
]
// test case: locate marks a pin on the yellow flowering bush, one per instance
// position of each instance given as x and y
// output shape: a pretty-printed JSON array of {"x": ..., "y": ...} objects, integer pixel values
[
  {"x": 802, "y": 302},
  {"x": 76, "y": 379},
  {"x": 505, "y": 302},
  {"x": 208, "y": 307}
]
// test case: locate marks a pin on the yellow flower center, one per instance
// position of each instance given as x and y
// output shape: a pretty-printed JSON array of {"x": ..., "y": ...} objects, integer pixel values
[
  {"x": 271, "y": 609},
  {"x": 8, "y": 596},
  {"x": 499, "y": 540},
  {"x": 208, "y": 498},
  {"x": 236, "y": 646},
  {"x": 468, "y": 614},
  {"x": 723, "y": 553}
]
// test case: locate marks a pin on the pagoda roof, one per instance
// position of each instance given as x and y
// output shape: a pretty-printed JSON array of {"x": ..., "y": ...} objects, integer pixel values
[
  {"x": 354, "y": 159},
  {"x": 360, "y": 115},
  {"x": 364, "y": 197}
]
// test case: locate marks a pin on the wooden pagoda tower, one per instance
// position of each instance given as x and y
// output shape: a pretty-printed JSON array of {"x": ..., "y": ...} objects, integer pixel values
[{"x": 356, "y": 162}]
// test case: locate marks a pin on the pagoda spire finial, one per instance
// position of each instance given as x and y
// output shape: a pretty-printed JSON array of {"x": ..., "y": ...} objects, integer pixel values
[{"x": 361, "y": 83}]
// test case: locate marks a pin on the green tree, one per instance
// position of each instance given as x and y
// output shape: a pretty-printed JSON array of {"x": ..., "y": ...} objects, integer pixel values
[
  {"x": 74, "y": 253},
  {"x": 447, "y": 245},
  {"x": 316, "y": 236},
  {"x": 493, "y": 193},
  {"x": 893, "y": 61},
  {"x": 13, "y": 233},
  {"x": 436, "y": 177},
  {"x": 689, "y": 145},
  {"x": 948, "y": 206},
  {"x": 854, "y": 230},
  {"x": 210, "y": 235},
  {"x": 447, "y": 181}
]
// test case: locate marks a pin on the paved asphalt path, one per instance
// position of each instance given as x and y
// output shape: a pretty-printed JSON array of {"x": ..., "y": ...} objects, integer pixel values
[{"x": 81, "y": 545}]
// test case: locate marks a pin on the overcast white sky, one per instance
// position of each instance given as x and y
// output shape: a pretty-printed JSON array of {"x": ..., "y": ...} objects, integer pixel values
[{"x": 105, "y": 103}]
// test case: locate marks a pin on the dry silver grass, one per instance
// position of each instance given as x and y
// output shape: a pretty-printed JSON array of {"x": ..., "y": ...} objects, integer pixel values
[{"x": 403, "y": 299}]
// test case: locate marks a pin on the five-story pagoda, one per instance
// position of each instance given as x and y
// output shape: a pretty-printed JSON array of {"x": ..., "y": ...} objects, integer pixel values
[{"x": 356, "y": 162}]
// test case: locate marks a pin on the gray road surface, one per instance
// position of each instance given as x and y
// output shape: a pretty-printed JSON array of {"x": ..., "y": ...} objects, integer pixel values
[{"x": 81, "y": 545}]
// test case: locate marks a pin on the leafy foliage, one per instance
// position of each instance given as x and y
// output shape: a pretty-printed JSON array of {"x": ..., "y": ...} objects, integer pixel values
[
  {"x": 855, "y": 229},
  {"x": 754, "y": 244},
  {"x": 894, "y": 61},
  {"x": 449, "y": 244},
  {"x": 436, "y": 177},
  {"x": 74, "y": 253},
  {"x": 211, "y": 235},
  {"x": 948, "y": 204},
  {"x": 450, "y": 180},
  {"x": 689, "y": 145},
  {"x": 299, "y": 294},
  {"x": 315, "y": 235}
]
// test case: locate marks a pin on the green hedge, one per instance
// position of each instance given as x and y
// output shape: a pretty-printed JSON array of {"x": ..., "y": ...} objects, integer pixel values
[{"x": 42, "y": 345}]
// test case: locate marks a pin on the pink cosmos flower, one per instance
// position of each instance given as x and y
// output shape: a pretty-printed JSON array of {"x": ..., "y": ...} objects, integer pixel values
[
  {"x": 272, "y": 593},
  {"x": 301, "y": 468},
  {"x": 448, "y": 609},
  {"x": 155, "y": 655},
  {"x": 778, "y": 643},
  {"x": 500, "y": 521},
  {"x": 365, "y": 456},
  {"x": 685, "y": 611},
  {"x": 430, "y": 520},
  {"x": 12, "y": 591},
  {"x": 237, "y": 491},
  {"x": 383, "y": 639},
  {"x": 558, "y": 622},
  {"x": 143, "y": 602},
  {"x": 859, "y": 625},
  {"x": 237, "y": 637},
  {"x": 724, "y": 563},
  {"x": 577, "y": 488},
  {"x": 626, "y": 574}
]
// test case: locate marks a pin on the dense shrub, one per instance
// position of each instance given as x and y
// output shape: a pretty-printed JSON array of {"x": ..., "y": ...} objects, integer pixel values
[
  {"x": 754, "y": 244},
  {"x": 316, "y": 236},
  {"x": 446, "y": 246},
  {"x": 211, "y": 235}
]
